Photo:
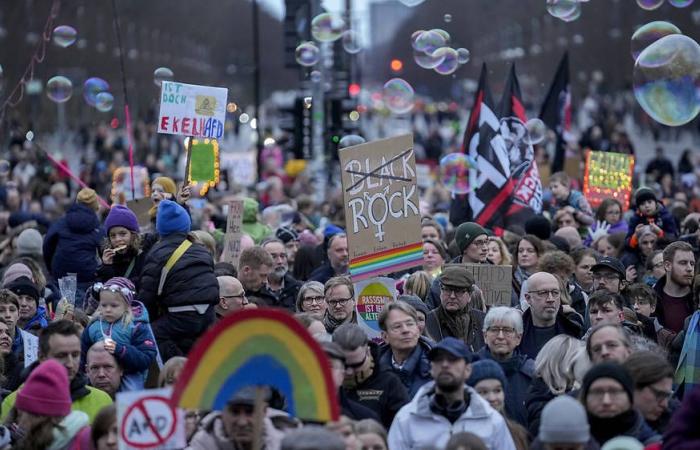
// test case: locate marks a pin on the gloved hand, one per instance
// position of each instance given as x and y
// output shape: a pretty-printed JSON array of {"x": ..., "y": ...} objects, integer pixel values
[{"x": 601, "y": 229}]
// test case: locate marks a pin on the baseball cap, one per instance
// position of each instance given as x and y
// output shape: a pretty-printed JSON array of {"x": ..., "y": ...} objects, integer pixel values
[
  {"x": 453, "y": 346},
  {"x": 608, "y": 262}
]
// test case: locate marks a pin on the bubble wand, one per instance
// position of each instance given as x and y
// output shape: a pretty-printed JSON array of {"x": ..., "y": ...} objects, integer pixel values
[{"x": 127, "y": 115}]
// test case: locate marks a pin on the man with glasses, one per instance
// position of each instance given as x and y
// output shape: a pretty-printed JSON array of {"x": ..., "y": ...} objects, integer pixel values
[
  {"x": 364, "y": 382},
  {"x": 339, "y": 294},
  {"x": 103, "y": 369},
  {"x": 545, "y": 317},
  {"x": 609, "y": 275},
  {"x": 503, "y": 330},
  {"x": 281, "y": 284},
  {"x": 454, "y": 317},
  {"x": 231, "y": 296},
  {"x": 405, "y": 352}
]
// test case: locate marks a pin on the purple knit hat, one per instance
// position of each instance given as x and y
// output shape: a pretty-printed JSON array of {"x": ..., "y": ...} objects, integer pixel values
[
  {"x": 125, "y": 286},
  {"x": 121, "y": 216}
]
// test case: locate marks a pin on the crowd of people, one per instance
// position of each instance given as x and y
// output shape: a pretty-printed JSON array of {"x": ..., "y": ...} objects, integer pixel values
[{"x": 599, "y": 346}]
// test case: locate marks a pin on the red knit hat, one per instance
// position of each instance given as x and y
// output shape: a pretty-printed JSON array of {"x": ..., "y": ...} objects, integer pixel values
[{"x": 46, "y": 392}]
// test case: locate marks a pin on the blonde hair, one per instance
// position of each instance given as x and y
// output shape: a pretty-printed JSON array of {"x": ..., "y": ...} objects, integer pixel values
[
  {"x": 126, "y": 319},
  {"x": 169, "y": 368},
  {"x": 506, "y": 258},
  {"x": 418, "y": 284},
  {"x": 560, "y": 363}
]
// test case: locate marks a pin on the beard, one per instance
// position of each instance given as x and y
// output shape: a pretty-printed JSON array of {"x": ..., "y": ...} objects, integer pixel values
[
  {"x": 278, "y": 273},
  {"x": 448, "y": 383}
]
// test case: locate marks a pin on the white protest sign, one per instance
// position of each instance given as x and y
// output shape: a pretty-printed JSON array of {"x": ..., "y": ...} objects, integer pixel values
[
  {"x": 147, "y": 420},
  {"x": 242, "y": 167},
  {"x": 192, "y": 110}
]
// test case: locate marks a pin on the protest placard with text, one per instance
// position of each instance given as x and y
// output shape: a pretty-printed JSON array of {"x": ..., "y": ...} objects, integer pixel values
[
  {"x": 494, "y": 282},
  {"x": 192, "y": 110}
]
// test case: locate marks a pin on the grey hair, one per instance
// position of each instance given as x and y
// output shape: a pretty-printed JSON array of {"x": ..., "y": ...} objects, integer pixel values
[
  {"x": 312, "y": 437},
  {"x": 308, "y": 286},
  {"x": 561, "y": 363},
  {"x": 350, "y": 336},
  {"x": 504, "y": 314}
]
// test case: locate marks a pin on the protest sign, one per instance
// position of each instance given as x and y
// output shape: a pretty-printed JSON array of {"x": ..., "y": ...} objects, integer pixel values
[
  {"x": 192, "y": 110},
  {"x": 254, "y": 347},
  {"x": 203, "y": 163},
  {"x": 232, "y": 240},
  {"x": 242, "y": 167},
  {"x": 608, "y": 175},
  {"x": 148, "y": 420},
  {"x": 121, "y": 184},
  {"x": 141, "y": 207},
  {"x": 372, "y": 295},
  {"x": 381, "y": 207},
  {"x": 494, "y": 282}
]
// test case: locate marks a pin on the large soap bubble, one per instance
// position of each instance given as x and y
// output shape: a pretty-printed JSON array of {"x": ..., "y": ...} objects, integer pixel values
[
  {"x": 650, "y": 4},
  {"x": 398, "y": 96},
  {"x": 449, "y": 60},
  {"x": 650, "y": 33},
  {"x": 454, "y": 172},
  {"x": 162, "y": 74},
  {"x": 350, "y": 140},
  {"x": 562, "y": 8},
  {"x": 92, "y": 88},
  {"x": 59, "y": 89},
  {"x": 680, "y": 3},
  {"x": 667, "y": 79},
  {"x": 429, "y": 41},
  {"x": 64, "y": 35},
  {"x": 351, "y": 42},
  {"x": 327, "y": 27},
  {"x": 536, "y": 131},
  {"x": 427, "y": 60},
  {"x": 411, "y": 3}
]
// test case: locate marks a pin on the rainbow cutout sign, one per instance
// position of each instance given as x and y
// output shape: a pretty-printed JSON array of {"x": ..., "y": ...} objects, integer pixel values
[{"x": 259, "y": 347}]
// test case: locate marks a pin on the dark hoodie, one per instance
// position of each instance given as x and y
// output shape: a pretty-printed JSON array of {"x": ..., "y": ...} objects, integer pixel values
[
  {"x": 662, "y": 219},
  {"x": 570, "y": 324},
  {"x": 72, "y": 244}
]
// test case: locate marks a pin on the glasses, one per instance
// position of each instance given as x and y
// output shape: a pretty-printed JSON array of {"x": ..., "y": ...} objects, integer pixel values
[
  {"x": 545, "y": 293},
  {"x": 605, "y": 275},
  {"x": 481, "y": 243},
  {"x": 338, "y": 302},
  {"x": 507, "y": 331},
  {"x": 600, "y": 394},
  {"x": 241, "y": 295},
  {"x": 660, "y": 395},
  {"x": 99, "y": 287},
  {"x": 400, "y": 325},
  {"x": 311, "y": 300},
  {"x": 449, "y": 290},
  {"x": 356, "y": 365}
]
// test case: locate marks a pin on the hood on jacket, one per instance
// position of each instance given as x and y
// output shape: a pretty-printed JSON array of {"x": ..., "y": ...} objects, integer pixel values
[
  {"x": 250, "y": 210},
  {"x": 81, "y": 218},
  {"x": 478, "y": 407},
  {"x": 69, "y": 430},
  {"x": 139, "y": 312}
]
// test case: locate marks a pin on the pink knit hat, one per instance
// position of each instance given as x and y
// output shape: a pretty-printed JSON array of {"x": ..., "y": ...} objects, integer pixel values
[
  {"x": 46, "y": 392},
  {"x": 15, "y": 271}
]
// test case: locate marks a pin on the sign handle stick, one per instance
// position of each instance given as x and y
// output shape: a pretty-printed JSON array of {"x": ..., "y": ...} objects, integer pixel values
[
  {"x": 258, "y": 417},
  {"x": 188, "y": 161}
]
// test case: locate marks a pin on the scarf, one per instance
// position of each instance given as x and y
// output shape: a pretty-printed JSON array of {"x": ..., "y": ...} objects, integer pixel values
[
  {"x": 456, "y": 323},
  {"x": 69, "y": 428},
  {"x": 688, "y": 370},
  {"x": 360, "y": 376},
  {"x": 331, "y": 323},
  {"x": 605, "y": 428}
]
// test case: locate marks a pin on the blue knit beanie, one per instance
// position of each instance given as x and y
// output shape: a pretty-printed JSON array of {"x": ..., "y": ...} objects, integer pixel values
[
  {"x": 172, "y": 218},
  {"x": 486, "y": 369}
]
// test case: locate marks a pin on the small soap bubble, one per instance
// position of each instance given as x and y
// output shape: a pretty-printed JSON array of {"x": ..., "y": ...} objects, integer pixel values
[
  {"x": 327, "y": 27},
  {"x": 59, "y": 89},
  {"x": 64, "y": 35},
  {"x": 536, "y": 131},
  {"x": 105, "y": 102},
  {"x": 398, "y": 96},
  {"x": 92, "y": 88},
  {"x": 350, "y": 140},
  {"x": 162, "y": 74},
  {"x": 463, "y": 55},
  {"x": 454, "y": 172},
  {"x": 307, "y": 54}
]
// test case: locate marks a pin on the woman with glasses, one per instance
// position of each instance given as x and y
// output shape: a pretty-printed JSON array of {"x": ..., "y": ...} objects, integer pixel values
[
  {"x": 311, "y": 299},
  {"x": 122, "y": 323}
]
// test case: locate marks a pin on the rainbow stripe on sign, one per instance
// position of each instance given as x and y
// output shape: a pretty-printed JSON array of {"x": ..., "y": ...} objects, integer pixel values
[
  {"x": 259, "y": 347},
  {"x": 388, "y": 261}
]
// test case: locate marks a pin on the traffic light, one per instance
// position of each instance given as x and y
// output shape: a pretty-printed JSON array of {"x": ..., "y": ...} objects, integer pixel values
[{"x": 296, "y": 121}]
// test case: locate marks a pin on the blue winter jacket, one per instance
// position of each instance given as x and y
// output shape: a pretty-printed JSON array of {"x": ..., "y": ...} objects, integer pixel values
[
  {"x": 416, "y": 369},
  {"x": 71, "y": 245},
  {"x": 662, "y": 219},
  {"x": 135, "y": 344}
]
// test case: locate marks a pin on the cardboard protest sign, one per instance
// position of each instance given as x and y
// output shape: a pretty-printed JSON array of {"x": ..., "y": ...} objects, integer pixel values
[
  {"x": 372, "y": 295},
  {"x": 232, "y": 240},
  {"x": 381, "y": 207},
  {"x": 495, "y": 282},
  {"x": 148, "y": 420},
  {"x": 192, "y": 110},
  {"x": 141, "y": 207},
  {"x": 608, "y": 175}
]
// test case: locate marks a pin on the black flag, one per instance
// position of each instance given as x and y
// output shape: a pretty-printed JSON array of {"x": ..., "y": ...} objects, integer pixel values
[{"x": 556, "y": 111}]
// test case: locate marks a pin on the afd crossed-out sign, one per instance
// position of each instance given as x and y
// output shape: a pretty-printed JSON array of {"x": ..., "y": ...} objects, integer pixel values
[{"x": 148, "y": 420}]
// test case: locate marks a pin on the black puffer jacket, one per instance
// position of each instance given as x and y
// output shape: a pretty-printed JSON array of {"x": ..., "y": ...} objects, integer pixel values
[{"x": 191, "y": 281}]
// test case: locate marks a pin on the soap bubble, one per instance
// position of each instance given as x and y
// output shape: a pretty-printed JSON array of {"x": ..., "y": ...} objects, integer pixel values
[
  {"x": 536, "y": 131},
  {"x": 411, "y": 3},
  {"x": 454, "y": 172},
  {"x": 64, "y": 35},
  {"x": 680, "y": 3},
  {"x": 429, "y": 41},
  {"x": 562, "y": 8},
  {"x": 445, "y": 35},
  {"x": 650, "y": 4},
  {"x": 425, "y": 60},
  {"x": 414, "y": 38},
  {"x": 449, "y": 60},
  {"x": 463, "y": 55},
  {"x": 447, "y": 18},
  {"x": 574, "y": 15},
  {"x": 92, "y": 88},
  {"x": 327, "y": 27},
  {"x": 105, "y": 102},
  {"x": 162, "y": 74},
  {"x": 59, "y": 89},
  {"x": 307, "y": 54},
  {"x": 315, "y": 76},
  {"x": 650, "y": 33},
  {"x": 350, "y": 140},
  {"x": 667, "y": 79},
  {"x": 351, "y": 42},
  {"x": 398, "y": 96}
]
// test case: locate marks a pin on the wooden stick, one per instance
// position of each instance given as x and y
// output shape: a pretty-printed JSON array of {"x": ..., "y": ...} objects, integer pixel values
[
  {"x": 187, "y": 162},
  {"x": 258, "y": 417}
]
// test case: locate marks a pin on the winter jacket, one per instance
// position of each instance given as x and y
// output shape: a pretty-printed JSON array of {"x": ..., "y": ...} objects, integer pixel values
[
  {"x": 212, "y": 436},
  {"x": 536, "y": 397},
  {"x": 135, "y": 347},
  {"x": 287, "y": 297},
  {"x": 570, "y": 324},
  {"x": 382, "y": 392},
  {"x": 120, "y": 266},
  {"x": 322, "y": 273},
  {"x": 74, "y": 433},
  {"x": 191, "y": 281},
  {"x": 85, "y": 398},
  {"x": 25, "y": 346},
  {"x": 606, "y": 429},
  {"x": 415, "y": 371},
  {"x": 355, "y": 410},
  {"x": 72, "y": 244},
  {"x": 520, "y": 371},
  {"x": 662, "y": 219},
  {"x": 683, "y": 432},
  {"x": 416, "y": 426},
  {"x": 475, "y": 335},
  {"x": 539, "y": 445},
  {"x": 37, "y": 322}
]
